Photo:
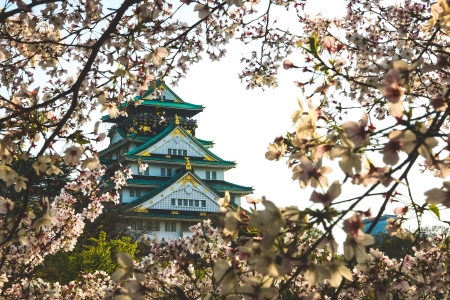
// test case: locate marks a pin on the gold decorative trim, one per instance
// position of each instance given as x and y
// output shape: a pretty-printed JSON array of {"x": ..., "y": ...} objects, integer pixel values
[
  {"x": 162, "y": 195},
  {"x": 168, "y": 156},
  {"x": 208, "y": 158},
  {"x": 203, "y": 214},
  {"x": 188, "y": 164},
  {"x": 186, "y": 179},
  {"x": 140, "y": 209},
  {"x": 145, "y": 128},
  {"x": 174, "y": 212},
  {"x": 173, "y": 189},
  {"x": 145, "y": 153},
  {"x": 176, "y": 132},
  {"x": 177, "y": 120}
]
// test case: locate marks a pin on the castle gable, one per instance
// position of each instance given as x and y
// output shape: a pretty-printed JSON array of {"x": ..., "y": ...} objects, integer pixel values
[
  {"x": 187, "y": 193},
  {"x": 177, "y": 143}
]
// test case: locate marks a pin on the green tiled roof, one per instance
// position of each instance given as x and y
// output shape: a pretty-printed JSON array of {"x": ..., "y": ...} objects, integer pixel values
[
  {"x": 164, "y": 104},
  {"x": 164, "y": 133},
  {"x": 114, "y": 146},
  {"x": 179, "y": 104},
  {"x": 140, "y": 138},
  {"x": 154, "y": 192},
  {"x": 154, "y": 140},
  {"x": 121, "y": 132},
  {"x": 170, "y": 104},
  {"x": 147, "y": 180},
  {"x": 222, "y": 186},
  {"x": 216, "y": 185},
  {"x": 195, "y": 161},
  {"x": 107, "y": 161},
  {"x": 205, "y": 142},
  {"x": 166, "y": 87}
]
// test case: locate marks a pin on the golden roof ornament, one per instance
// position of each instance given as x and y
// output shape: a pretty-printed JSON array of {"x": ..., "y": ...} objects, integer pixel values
[
  {"x": 140, "y": 209},
  {"x": 188, "y": 164},
  {"x": 177, "y": 120}
]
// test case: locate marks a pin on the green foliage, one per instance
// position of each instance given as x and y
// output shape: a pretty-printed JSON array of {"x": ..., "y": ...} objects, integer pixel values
[
  {"x": 396, "y": 247},
  {"x": 96, "y": 254},
  {"x": 393, "y": 246}
]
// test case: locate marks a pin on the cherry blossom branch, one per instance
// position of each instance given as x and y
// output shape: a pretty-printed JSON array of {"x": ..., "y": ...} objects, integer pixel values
[
  {"x": 6, "y": 14},
  {"x": 112, "y": 27}
]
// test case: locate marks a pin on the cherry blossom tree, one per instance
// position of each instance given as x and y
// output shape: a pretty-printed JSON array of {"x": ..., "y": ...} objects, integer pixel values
[
  {"x": 387, "y": 63},
  {"x": 87, "y": 56}
]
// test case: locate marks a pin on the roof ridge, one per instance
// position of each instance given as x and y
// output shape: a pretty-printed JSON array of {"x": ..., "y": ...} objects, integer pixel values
[
  {"x": 156, "y": 138},
  {"x": 228, "y": 182},
  {"x": 165, "y": 132},
  {"x": 160, "y": 82},
  {"x": 146, "y": 197}
]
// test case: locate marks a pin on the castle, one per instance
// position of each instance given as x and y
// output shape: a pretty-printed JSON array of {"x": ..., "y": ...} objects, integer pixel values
[{"x": 184, "y": 179}]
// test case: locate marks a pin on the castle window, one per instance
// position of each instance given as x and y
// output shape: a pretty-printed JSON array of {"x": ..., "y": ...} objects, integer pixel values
[
  {"x": 180, "y": 152},
  {"x": 138, "y": 193},
  {"x": 184, "y": 152},
  {"x": 137, "y": 225},
  {"x": 185, "y": 202},
  {"x": 131, "y": 193},
  {"x": 169, "y": 172},
  {"x": 163, "y": 172},
  {"x": 203, "y": 203},
  {"x": 147, "y": 171},
  {"x": 191, "y": 202},
  {"x": 180, "y": 202},
  {"x": 197, "y": 203},
  {"x": 172, "y": 202},
  {"x": 155, "y": 226},
  {"x": 208, "y": 175},
  {"x": 214, "y": 175},
  {"x": 169, "y": 151},
  {"x": 171, "y": 227}
]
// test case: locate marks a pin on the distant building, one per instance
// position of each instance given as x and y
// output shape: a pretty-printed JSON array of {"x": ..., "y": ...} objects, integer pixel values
[
  {"x": 380, "y": 228},
  {"x": 184, "y": 179}
]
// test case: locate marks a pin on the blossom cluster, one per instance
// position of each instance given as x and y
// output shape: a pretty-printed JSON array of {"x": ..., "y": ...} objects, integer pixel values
[{"x": 207, "y": 266}]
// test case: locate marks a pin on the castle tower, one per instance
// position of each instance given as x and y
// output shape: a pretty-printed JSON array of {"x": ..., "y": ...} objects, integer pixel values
[{"x": 184, "y": 179}]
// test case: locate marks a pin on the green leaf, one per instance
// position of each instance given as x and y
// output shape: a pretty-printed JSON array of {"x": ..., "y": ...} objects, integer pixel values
[
  {"x": 82, "y": 140},
  {"x": 434, "y": 209},
  {"x": 313, "y": 45}
]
